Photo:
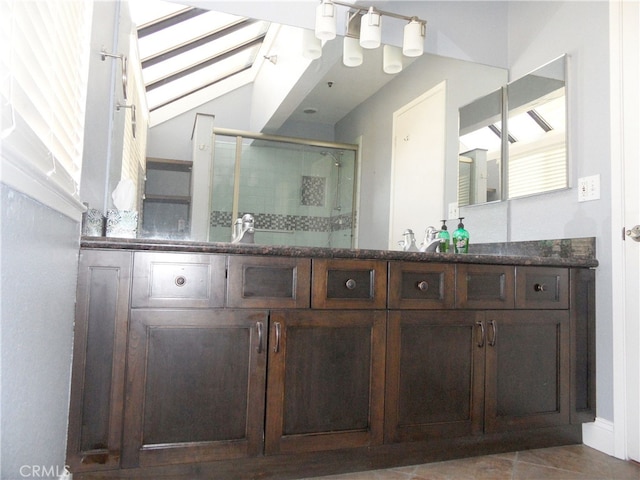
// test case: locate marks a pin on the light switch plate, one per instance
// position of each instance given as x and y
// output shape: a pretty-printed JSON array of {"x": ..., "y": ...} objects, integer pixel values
[
  {"x": 453, "y": 211},
  {"x": 589, "y": 188}
]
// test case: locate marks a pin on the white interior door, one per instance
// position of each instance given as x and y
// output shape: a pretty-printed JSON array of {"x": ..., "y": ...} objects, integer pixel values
[
  {"x": 625, "y": 144},
  {"x": 630, "y": 73},
  {"x": 417, "y": 168}
]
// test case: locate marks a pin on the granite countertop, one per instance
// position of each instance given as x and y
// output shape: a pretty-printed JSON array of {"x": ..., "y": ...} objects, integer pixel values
[{"x": 562, "y": 253}]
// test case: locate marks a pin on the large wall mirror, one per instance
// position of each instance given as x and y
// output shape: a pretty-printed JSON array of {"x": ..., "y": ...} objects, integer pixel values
[{"x": 513, "y": 141}]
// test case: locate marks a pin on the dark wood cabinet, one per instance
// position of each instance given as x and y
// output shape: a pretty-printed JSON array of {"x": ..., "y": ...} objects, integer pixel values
[
  {"x": 464, "y": 372},
  {"x": 435, "y": 375},
  {"x": 264, "y": 282},
  {"x": 326, "y": 380},
  {"x": 219, "y": 365},
  {"x": 195, "y": 386},
  {"x": 98, "y": 374},
  {"x": 349, "y": 284},
  {"x": 527, "y": 369},
  {"x": 485, "y": 286},
  {"x": 178, "y": 280},
  {"x": 421, "y": 285}
]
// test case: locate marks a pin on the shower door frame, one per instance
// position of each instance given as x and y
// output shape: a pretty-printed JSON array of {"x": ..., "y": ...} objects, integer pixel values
[{"x": 240, "y": 135}]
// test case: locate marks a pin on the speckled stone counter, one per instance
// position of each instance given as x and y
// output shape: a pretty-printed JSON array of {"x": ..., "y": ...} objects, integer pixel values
[{"x": 564, "y": 252}]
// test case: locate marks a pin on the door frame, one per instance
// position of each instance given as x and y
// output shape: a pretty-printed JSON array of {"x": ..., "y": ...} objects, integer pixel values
[{"x": 625, "y": 212}]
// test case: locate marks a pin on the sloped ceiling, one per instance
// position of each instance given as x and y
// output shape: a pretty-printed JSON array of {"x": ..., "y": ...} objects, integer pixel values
[{"x": 472, "y": 31}]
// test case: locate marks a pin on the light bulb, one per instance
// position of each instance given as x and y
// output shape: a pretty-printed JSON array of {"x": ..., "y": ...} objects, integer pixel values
[
  {"x": 311, "y": 45},
  {"x": 370, "y": 29},
  {"x": 391, "y": 59},
  {"x": 351, "y": 52},
  {"x": 326, "y": 20},
  {"x": 413, "y": 42}
]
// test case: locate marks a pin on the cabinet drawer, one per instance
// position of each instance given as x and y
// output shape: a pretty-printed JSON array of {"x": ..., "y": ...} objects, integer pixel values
[
  {"x": 542, "y": 287},
  {"x": 485, "y": 286},
  {"x": 268, "y": 282},
  {"x": 176, "y": 280},
  {"x": 421, "y": 285},
  {"x": 349, "y": 284}
]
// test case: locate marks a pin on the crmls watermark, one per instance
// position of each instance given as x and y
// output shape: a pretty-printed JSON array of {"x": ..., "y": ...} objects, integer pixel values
[{"x": 44, "y": 471}]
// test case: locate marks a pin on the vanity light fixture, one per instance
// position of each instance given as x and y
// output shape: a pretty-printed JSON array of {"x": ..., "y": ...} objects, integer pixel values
[
  {"x": 326, "y": 20},
  {"x": 391, "y": 59},
  {"x": 311, "y": 45},
  {"x": 371, "y": 29},
  {"x": 364, "y": 30},
  {"x": 413, "y": 39}
]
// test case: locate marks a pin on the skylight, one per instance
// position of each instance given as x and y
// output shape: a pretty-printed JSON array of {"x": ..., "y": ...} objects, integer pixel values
[{"x": 185, "y": 50}]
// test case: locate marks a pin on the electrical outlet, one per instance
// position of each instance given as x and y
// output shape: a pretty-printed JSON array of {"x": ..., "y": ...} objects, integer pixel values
[
  {"x": 453, "y": 211},
  {"x": 589, "y": 188}
]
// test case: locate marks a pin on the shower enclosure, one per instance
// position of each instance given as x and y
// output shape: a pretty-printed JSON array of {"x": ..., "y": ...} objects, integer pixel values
[{"x": 300, "y": 192}]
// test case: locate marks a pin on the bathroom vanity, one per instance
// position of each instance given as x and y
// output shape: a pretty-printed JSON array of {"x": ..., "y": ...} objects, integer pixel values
[{"x": 198, "y": 360}]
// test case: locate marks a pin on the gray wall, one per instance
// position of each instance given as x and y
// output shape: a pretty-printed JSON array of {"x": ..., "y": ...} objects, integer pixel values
[{"x": 39, "y": 258}]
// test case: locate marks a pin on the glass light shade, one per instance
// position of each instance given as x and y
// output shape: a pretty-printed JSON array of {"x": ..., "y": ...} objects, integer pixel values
[
  {"x": 370, "y": 29},
  {"x": 352, "y": 52},
  {"x": 311, "y": 45},
  {"x": 391, "y": 59},
  {"x": 326, "y": 20},
  {"x": 413, "y": 42}
]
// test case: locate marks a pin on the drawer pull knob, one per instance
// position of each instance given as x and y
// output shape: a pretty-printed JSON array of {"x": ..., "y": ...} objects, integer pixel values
[
  {"x": 540, "y": 287},
  {"x": 350, "y": 284},
  {"x": 181, "y": 281},
  {"x": 423, "y": 286}
]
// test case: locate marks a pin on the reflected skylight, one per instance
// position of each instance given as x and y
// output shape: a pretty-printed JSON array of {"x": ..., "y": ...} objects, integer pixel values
[
  {"x": 184, "y": 50},
  {"x": 524, "y": 127}
]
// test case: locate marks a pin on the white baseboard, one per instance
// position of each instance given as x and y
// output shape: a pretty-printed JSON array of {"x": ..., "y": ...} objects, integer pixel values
[{"x": 599, "y": 435}]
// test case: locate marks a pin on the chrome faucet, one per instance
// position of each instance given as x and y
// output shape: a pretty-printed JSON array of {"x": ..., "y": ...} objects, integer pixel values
[
  {"x": 408, "y": 242},
  {"x": 431, "y": 240},
  {"x": 243, "y": 229}
]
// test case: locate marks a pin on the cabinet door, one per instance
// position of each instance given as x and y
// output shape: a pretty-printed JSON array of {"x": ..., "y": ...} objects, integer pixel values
[
  {"x": 326, "y": 380},
  {"x": 100, "y": 339},
  {"x": 195, "y": 386},
  {"x": 527, "y": 369},
  {"x": 435, "y": 375}
]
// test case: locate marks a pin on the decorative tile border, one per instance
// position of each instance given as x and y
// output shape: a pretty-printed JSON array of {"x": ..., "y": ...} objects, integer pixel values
[{"x": 297, "y": 223}]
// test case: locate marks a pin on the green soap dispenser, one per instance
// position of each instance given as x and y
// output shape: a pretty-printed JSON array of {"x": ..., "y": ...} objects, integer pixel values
[
  {"x": 461, "y": 239},
  {"x": 444, "y": 238}
]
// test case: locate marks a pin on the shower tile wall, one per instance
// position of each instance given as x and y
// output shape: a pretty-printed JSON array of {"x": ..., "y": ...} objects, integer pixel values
[{"x": 289, "y": 191}]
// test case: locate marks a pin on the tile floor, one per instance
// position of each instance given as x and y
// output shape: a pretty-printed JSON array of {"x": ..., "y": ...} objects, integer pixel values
[{"x": 556, "y": 463}]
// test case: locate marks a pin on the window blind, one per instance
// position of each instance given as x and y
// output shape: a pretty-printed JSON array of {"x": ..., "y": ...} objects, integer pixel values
[
  {"x": 45, "y": 58},
  {"x": 537, "y": 170}
]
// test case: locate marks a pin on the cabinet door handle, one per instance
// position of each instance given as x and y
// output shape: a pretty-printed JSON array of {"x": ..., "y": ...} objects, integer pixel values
[
  {"x": 259, "y": 327},
  {"x": 423, "y": 286},
  {"x": 494, "y": 337},
  {"x": 276, "y": 347},
  {"x": 482, "y": 334},
  {"x": 351, "y": 284}
]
